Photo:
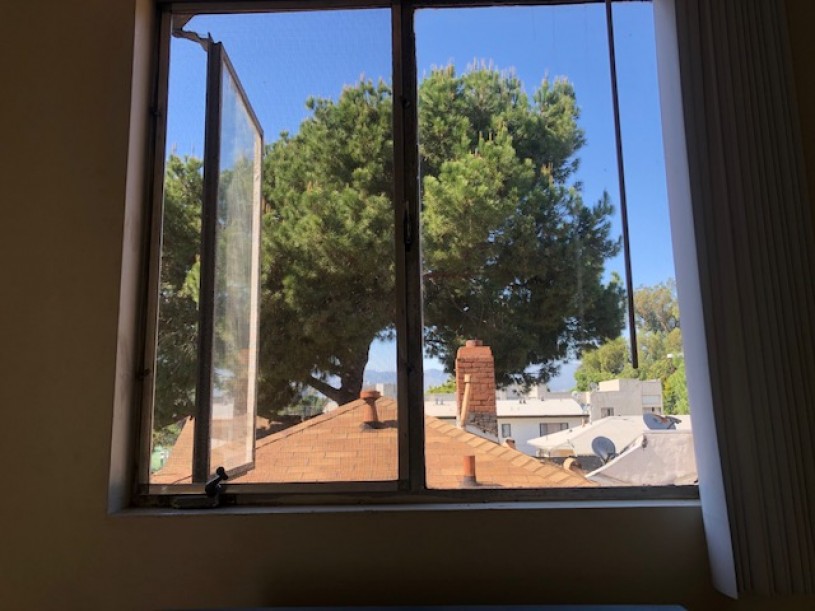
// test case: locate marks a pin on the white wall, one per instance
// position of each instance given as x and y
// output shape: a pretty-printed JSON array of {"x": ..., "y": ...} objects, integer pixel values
[
  {"x": 524, "y": 429},
  {"x": 65, "y": 125},
  {"x": 626, "y": 396}
]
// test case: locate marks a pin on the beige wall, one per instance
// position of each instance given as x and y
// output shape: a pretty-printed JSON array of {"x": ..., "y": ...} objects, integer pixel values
[{"x": 63, "y": 163}]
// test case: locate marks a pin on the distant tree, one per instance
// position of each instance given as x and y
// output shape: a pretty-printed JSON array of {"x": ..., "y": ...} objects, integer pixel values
[
  {"x": 448, "y": 387},
  {"x": 659, "y": 344},
  {"x": 656, "y": 309},
  {"x": 608, "y": 362},
  {"x": 676, "y": 391},
  {"x": 512, "y": 255}
]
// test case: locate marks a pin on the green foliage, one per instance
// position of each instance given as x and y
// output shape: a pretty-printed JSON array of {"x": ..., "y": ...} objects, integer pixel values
[
  {"x": 512, "y": 255},
  {"x": 656, "y": 309},
  {"x": 608, "y": 362},
  {"x": 328, "y": 287},
  {"x": 176, "y": 367},
  {"x": 165, "y": 437},
  {"x": 676, "y": 391},
  {"x": 659, "y": 344},
  {"x": 447, "y": 388}
]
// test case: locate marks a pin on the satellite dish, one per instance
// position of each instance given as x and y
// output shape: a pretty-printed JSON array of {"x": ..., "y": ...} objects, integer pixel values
[
  {"x": 604, "y": 448},
  {"x": 656, "y": 422}
]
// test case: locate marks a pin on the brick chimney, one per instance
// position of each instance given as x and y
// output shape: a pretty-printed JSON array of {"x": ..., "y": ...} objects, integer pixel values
[{"x": 475, "y": 387}]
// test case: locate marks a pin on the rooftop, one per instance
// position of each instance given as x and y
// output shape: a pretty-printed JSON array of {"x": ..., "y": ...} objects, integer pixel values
[
  {"x": 337, "y": 446},
  {"x": 656, "y": 458},
  {"x": 622, "y": 430}
]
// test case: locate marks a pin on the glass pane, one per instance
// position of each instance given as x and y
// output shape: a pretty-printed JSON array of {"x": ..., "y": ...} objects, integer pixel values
[
  {"x": 237, "y": 254},
  {"x": 523, "y": 265},
  {"x": 319, "y": 83},
  {"x": 176, "y": 363}
]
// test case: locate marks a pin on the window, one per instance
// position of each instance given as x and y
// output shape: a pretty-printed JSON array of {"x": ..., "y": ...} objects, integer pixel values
[
  {"x": 323, "y": 322},
  {"x": 547, "y": 428},
  {"x": 606, "y": 412}
]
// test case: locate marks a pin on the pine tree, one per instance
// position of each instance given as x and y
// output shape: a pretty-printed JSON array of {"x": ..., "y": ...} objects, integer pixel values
[{"x": 512, "y": 255}]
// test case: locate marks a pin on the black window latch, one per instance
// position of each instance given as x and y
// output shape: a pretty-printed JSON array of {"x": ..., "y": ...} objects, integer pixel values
[{"x": 211, "y": 497}]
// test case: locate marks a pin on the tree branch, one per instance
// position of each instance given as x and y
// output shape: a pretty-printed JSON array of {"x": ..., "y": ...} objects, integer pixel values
[{"x": 324, "y": 387}]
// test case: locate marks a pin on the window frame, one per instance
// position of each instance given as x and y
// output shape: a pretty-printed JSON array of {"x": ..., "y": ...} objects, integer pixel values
[{"x": 410, "y": 486}]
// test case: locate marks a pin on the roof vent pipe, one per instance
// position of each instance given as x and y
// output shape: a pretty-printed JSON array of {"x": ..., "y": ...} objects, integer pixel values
[
  {"x": 370, "y": 418},
  {"x": 469, "y": 471}
]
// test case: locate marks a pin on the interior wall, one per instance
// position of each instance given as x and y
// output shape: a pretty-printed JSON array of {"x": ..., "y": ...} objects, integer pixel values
[{"x": 64, "y": 164}]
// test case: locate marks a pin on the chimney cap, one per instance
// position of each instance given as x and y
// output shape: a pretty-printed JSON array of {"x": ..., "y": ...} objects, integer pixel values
[
  {"x": 471, "y": 343},
  {"x": 369, "y": 394}
]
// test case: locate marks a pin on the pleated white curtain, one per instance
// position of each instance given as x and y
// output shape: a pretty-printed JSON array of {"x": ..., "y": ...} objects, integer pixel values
[{"x": 745, "y": 249}]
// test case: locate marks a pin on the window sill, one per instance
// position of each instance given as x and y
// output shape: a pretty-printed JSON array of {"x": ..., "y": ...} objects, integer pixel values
[{"x": 429, "y": 501}]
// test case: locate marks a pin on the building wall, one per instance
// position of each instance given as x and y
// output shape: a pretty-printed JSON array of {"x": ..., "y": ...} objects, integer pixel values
[
  {"x": 65, "y": 125},
  {"x": 524, "y": 429},
  {"x": 625, "y": 396}
]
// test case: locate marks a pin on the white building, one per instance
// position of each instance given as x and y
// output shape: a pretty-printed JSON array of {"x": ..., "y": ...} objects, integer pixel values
[
  {"x": 387, "y": 389},
  {"x": 623, "y": 397},
  {"x": 520, "y": 419}
]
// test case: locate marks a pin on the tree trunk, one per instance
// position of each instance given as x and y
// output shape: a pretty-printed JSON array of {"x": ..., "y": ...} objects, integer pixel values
[{"x": 351, "y": 379}]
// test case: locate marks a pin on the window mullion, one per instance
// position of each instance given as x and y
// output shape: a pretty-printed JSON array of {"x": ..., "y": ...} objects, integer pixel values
[{"x": 408, "y": 250}]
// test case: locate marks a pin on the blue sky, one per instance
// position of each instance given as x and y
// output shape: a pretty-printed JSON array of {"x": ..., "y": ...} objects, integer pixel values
[{"x": 284, "y": 58}]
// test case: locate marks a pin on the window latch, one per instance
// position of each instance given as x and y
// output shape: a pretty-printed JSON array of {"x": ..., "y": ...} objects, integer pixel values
[
  {"x": 213, "y": 487},
  {"x": 211, "y": 497}
]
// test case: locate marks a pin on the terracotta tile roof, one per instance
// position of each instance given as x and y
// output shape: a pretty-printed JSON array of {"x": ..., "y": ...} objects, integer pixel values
[
  {"x": 496, "y": 466},
  {"x": 178, "y": 467},
  {"x": 337, "y": 446}
]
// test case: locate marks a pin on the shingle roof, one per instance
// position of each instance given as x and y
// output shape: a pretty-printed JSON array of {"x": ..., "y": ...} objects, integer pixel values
[{"x": 336, "y": 446}]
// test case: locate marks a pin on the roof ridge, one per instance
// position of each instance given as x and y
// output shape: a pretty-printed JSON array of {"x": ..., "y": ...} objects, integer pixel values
[
  {"x": 475, "y": 442},
  {"x": 297, "y": 428},
  {"x": 306, "y": 424}
]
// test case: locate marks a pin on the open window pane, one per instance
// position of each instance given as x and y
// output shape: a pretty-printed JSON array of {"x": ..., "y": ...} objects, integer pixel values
[
  {"x": 234, "y": 300},
  {"x": 320, "y": 84},
  {"x": 524, "y": 281}
]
